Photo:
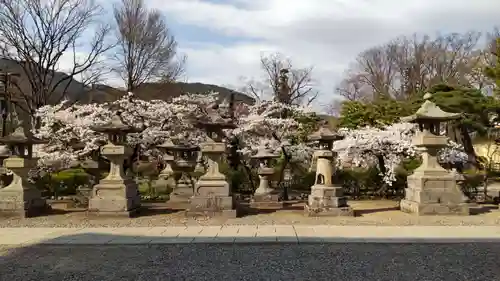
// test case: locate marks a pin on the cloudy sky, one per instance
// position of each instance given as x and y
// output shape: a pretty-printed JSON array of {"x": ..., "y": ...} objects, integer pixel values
[{"x": 224, "y": 39}]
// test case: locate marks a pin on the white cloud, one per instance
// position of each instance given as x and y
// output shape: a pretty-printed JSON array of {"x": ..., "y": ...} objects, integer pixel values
[{"x": 326, "y": 34}]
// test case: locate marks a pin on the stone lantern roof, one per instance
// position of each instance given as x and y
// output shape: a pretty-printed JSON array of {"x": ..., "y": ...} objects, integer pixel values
[
  {"x": 265, "y": 153},
  {"x": 430, "y": 111},
  {"x": 19, "y": 137},
  {"x": 115, "y": 126},
  {"x": 167, "y": 144},
  {"x": 325, "y": 134}
]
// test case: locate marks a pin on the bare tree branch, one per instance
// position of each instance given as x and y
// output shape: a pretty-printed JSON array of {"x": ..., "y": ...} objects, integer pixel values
[
  {"x": 408, "y": 65},
  {"x": 298, "y": 87},
  {"x": 37, "y": 35},
  {"x": 146, "y": 48}
]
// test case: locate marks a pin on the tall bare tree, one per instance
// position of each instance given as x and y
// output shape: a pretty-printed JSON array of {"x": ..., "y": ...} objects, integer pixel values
[
  {"x": 38, "y": 36},
  {"x": 408, "y": 65},
  {"x": 486, "y": 59},
  {"x": 146, "y": 48},
  {"x": 283, "y": 81}
]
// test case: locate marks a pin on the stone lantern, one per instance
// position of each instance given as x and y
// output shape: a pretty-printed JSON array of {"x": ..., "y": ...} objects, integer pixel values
[
  {"x": 432, "y": 190},
  {"x": 20, "y": 197},
  {"x": 326, "y": 198},
  {"x": 212, "y": 192},
  {"x": 185, "y": 155},
  {"x": 117, "y": 194},
  {"x": 166, "y": 176},
  {"x": 265, "y": 196}
]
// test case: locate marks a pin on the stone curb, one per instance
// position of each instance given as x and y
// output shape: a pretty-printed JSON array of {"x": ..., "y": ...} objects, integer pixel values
[{"x": 256, "y": 234}]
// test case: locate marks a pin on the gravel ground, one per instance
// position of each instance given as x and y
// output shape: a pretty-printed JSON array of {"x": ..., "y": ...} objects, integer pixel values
[
  {"x": 368, "y": 213},
  {"x": 395, "y": 262}
]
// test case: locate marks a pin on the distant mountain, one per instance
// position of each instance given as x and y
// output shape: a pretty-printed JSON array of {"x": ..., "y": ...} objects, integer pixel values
[
  {"x": 74, "y": 91},
  {"x": 102, "y": 93},
  {"x": 165, "y": 91}
]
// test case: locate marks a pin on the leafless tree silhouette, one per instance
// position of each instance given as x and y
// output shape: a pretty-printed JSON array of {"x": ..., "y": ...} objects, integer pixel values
[{"x": 146, "y": 49}]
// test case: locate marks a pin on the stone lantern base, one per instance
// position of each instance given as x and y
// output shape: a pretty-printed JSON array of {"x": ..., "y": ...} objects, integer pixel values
[
  {"x": 22, "y": 203},
  {"x": 433, "y": 194},
  {"x": 327, "y": 201},
  {"x": 264, "y": 201},
  {"x": 212, "y": 198},
  {"x": 21, "y": 198},
  {"x": 493, "y": 190},
  {"x": 115, "y": 198}
]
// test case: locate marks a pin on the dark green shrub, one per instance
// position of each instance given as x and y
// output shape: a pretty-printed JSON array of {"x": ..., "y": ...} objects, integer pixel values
[{"x": 66, "y": 182}]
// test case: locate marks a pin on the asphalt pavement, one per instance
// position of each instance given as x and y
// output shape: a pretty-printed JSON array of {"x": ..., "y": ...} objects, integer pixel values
[{"x": 350, "y": 261}]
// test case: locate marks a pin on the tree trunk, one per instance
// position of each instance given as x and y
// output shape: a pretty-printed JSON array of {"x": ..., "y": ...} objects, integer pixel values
[
  {"x": 458, "y": 133},
  {"x": 383, "y": 170}
]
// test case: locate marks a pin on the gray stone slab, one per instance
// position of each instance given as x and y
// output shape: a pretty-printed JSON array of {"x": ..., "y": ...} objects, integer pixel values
[
  {"x": 287, "y": 239},
  {"x": 131, "y": 240},
  {"x": 172, "y": 240}
]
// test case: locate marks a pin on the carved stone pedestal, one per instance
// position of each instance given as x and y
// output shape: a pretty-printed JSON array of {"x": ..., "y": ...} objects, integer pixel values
[
  {"x": 432, "y": 190},
  {"x": 327, "y": 201},
  {"x": 20, "y": 198},
  {"x": 117, "y": 194},
  {"x": 115, "y": 198},
  {"x": 433, "y": 193},
  {"x": 212, "y": 202},
  {"x": 266, "y": 201},
  {"x": 212, "y": 195}
]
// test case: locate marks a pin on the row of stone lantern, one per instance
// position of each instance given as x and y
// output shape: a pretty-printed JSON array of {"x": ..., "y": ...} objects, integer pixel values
[{"x": 431, "y": 189}]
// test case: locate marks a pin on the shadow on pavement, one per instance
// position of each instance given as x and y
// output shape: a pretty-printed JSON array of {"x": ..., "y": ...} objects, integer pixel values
[
  {"x": 360, "y": 213},
  {"x": 482, "y": 209},
  {"x": 97, "y": 256}
]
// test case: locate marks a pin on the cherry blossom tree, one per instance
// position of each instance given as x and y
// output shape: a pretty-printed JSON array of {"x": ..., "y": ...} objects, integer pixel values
[
  {"x": 272, "y": 124},
  {"x": 386, "y": 148},
  {"x": 63, "y": 125},
  {"x": 266, "y": 123}
]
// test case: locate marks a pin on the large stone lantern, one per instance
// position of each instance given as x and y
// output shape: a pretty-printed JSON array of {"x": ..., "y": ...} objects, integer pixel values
[
  {"x": 20, "y": 197},
  {"x": 212, "y": 193},
  {"x": 432, "y": 190},
  {"x": 265, "y": 196},
  {"x": 326, "y": 198},
  {"x": 116, "y": 194},
  {"x": 185, "y": 155}
]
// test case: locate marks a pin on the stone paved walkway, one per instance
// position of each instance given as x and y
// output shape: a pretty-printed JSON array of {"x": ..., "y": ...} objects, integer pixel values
[{"x": 248, "y": 234}]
